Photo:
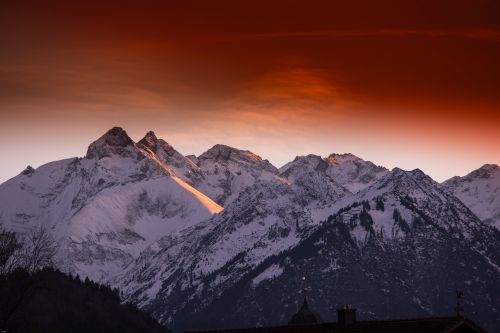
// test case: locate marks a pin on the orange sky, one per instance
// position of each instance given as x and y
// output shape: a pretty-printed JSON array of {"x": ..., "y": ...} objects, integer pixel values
[{"x": 410, "y": 85}]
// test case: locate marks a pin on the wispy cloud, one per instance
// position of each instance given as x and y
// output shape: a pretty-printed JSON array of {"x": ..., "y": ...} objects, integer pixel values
[
  {"x": 299, "y": 85},
  {"x": 285, "y": 101},
  {"x": 479, "y": 33}
]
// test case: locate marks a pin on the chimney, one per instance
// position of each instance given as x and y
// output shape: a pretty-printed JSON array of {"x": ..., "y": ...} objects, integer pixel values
[{"x": 346, "y": 316}]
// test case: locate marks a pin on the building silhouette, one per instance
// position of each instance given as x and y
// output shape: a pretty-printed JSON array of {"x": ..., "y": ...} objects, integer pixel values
[{"x": 307, "y": 320}]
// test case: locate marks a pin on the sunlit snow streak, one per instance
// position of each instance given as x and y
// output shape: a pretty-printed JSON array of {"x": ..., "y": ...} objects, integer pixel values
[{"x": 206, "y": 201}]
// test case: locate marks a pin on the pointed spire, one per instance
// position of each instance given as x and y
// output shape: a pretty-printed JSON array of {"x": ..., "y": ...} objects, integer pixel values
[
  {"x": 305, "y": 305},
  {"x": 305, "y": 315},
  {"x": 459, "y": 308}
]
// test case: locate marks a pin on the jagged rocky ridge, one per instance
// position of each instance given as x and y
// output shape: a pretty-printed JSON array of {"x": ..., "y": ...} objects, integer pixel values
[{"x": 394, "y": 243}]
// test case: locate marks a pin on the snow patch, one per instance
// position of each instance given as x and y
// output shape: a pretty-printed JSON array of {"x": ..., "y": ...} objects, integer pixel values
[{"x": 271, "y": 272}]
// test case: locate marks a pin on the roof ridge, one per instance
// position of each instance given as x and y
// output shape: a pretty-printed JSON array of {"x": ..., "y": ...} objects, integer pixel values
[
  {"x": 409, "y": 319},
  {"x": 466, "y": 321}
]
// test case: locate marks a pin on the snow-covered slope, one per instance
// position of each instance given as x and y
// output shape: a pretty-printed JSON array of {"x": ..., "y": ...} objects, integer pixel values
[
  {"x": 480, "y": 191},
  {"x": 104, "y": 209},
  {"x": 398, "y": 248},
  {"x": 268, "y": 215},
  {"x": 265, "y": 219}
]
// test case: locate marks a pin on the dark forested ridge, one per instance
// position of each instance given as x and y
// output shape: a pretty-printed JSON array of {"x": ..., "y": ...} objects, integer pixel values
[{"x": 51, "y": 301}]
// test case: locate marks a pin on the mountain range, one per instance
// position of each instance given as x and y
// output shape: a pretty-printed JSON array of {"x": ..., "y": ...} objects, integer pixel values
[{"x": 224, "y": 239}]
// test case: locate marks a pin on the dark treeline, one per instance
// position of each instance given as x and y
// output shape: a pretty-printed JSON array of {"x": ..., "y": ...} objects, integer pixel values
[
  {"x": 51, "y": 301},
  {"x": 36, "y": 298}
]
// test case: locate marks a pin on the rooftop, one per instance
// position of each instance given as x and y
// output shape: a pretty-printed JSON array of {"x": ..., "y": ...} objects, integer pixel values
[{"x": 416, "y": 325}]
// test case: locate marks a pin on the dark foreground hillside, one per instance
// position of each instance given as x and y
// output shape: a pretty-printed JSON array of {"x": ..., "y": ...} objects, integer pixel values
[{"x": 50, "y": 301}]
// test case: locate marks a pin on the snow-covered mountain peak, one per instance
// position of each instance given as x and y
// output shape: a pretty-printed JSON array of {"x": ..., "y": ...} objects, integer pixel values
[
  {"x": 415, "y": 184},
  {"x": 226, "y": 171},
  {"x": 486, "y": 171},
  {"x": 303, "y": 164},
  {"x": 114, "y": 142},
  {"x": 406, "y": 180},
  {"x": 347, "y": 170},
  {"x": 158, "y": 146},
  {"x": 480, "y": 191},
  {"x": 308, "y": 178},
  {"x": 150, "y": 140},
  {"x": 415, "y": 174},
  {"x": 224, "y": 154},
  {"x": 490, "y": 167},
  {"x": 335, "y": 159},
  {"x": 180, "y": 165},
  {"x": 415, "y": 195},
  {"x": 353, "y": 172},
  {"x": 421, "y": 177}
]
